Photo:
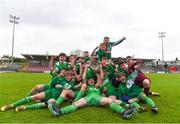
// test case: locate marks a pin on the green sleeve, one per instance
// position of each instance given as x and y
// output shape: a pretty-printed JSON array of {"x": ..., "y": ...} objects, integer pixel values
[
  {"x": 120, "y": 91},
  {"x": 116, "y": 43},
  {"x": 87, "y": 59},
  {"x": 77, "y": 67},
  {"x": 79, "y": 95},
  {"x": 67, "y": 66},
  {"x": 72, "y": 85},
  {"x": 108, "y": 55},
  {"x": 53, "y": 82},
  {"x": 54, "y": 75},
  {"x": 99, "y": 53}
]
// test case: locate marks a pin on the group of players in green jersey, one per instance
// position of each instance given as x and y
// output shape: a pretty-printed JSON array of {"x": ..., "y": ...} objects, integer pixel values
[{"x": 91, "y": 80}]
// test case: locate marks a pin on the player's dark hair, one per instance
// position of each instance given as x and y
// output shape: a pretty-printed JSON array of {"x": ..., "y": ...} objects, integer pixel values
[
  {"x": 121, "y": 62},
  {"x": 128, "y": 57},
  {"x": 68, "y": 73},
  {"x": 106, "y": 37},
  {"x": 62, "y": 54}
]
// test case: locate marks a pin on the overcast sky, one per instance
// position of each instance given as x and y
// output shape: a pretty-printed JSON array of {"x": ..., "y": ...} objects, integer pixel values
[{"x": 54, "y": 26}]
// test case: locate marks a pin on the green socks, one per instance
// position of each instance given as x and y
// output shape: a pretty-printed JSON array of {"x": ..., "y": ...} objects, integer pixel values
[
  {"x": 115, "y": 107},
  {"x": 135, "y": 104},
  {"x": 50, "y": 106},
  {"x": 59, "y": 100},
  {"x": 123, "y": 104},
  {"x": 36, "y": 106},
  {"x": 147, "y": 100},
  {"x": 68, "y": 109},
  {"x": 22, "y": 101},
  {"x": 79, "y": 95},
  {"x": 150, "y": 102}
]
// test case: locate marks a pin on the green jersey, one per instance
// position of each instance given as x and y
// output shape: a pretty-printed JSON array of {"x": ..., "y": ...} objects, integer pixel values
[
  {"x": 68, "y": 85},
  {"x": 87, "y": 59},
  {"x": 101, "y": 54},
  {"x": 55, "y": 81},
  {"x": 92, "y": 90},
  {"x": 129, "y": 88},
  {"x": 54, "y": 92},
  {"x": 90, "y": 73},
  {"x": 122, "y": 71},
  {"x": 109, "y": 71},
  {"x": 59, "y": 66},
  {"x": 112, "y": 44},
  {"x": 63, "y": 82}
]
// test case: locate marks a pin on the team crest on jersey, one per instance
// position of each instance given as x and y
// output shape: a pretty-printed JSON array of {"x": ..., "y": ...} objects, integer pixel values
[
  {"x": 57, "y": 64},
  {"x": 93, "y": 88},
  {"x": 134, "y": 75},
  {"x": 67, "y": 86},
  {"x": 129, "y": 83}
]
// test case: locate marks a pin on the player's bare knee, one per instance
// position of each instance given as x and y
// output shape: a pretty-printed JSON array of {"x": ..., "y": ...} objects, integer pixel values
[
  {"x": 106, "y": 101},
  {"x": 36, "y": 97},
  {"x": 39, "y": 87},
  {"x": 113, "y": 97},
  {"x": 130, "y": 101},
  {"x": 117, "y": 101},
  {"x": 110, "y": 100},
  {"x": 80, "y": 103},
  {"x": 76, "y": 103},
  {"x": 64, "y": 93},
  {"x": 146, "y": 83},
  {"x": 52, "y": 100}
]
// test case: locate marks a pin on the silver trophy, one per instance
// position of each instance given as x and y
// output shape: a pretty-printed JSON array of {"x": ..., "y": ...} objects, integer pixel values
[{"x": 94, "y": 64}]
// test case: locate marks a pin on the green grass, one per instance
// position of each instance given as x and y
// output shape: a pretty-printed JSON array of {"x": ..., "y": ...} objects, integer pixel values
[{"x": 14, "y": 86}]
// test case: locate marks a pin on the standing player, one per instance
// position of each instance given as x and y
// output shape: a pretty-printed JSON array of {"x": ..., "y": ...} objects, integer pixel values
[{"x": 109, "y": 44}]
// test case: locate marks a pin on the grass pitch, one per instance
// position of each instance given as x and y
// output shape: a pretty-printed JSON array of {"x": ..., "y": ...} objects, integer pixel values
[{"x": 14, "y": 86}]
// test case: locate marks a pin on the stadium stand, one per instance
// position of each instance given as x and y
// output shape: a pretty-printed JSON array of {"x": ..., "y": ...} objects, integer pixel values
[
  {"x": 6, "y": 66},
  {"x": 38, "y": 68},
  {"x": 37, "y": 63},
  {"x": 40, "y": 63}
]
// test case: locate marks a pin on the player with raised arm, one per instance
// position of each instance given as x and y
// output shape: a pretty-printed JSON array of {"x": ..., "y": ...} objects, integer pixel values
[
  {"x": 101, "y": 52},
  {"x": 109, "y": 44}
]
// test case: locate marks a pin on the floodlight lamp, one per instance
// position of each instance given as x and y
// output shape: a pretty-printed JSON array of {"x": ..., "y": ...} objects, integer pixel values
[{"x": 11, "y": 16}]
